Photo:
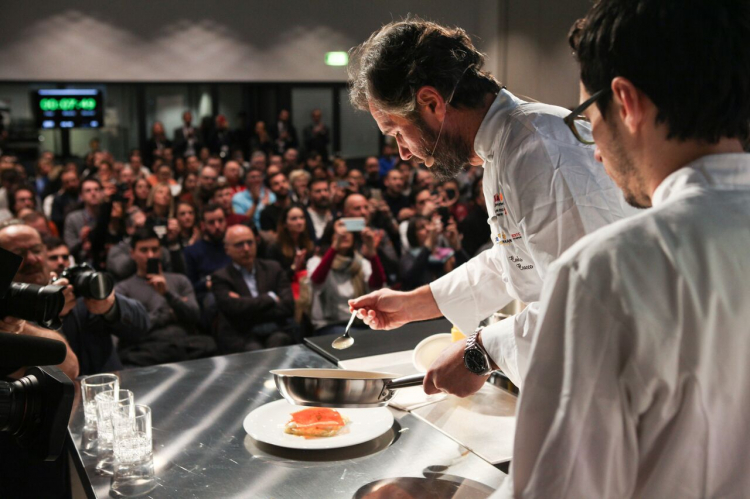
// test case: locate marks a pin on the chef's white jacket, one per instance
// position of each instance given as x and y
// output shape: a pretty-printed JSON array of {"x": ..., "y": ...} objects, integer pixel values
[
  {"x": 544, "y": 191},
  {"x": 639, "y": 380}
]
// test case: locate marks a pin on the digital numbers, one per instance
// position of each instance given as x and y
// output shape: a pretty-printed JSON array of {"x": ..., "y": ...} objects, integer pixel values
[{"x": 67, "y": 104}]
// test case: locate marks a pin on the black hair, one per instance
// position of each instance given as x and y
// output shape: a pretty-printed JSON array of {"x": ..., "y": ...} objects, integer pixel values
[
  {"x": 143, "y": 234},
  {"x": 92, "y": 179},
  {"x": 403, "y": 56},
  {"x": 53, "y": 242},
  {"x": 411, "y": 230},
  {"x": 690, "y": 57},
  {"x": 210, "y": 208}
]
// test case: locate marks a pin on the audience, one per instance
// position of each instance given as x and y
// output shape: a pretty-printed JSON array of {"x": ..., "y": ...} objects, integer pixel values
[
  {"x": 269, "y": 218},
  {"x": 255, "y": 197},
  {"x": 223, "y": 198},
  {"x": 189, "y": 232},
  {"x": 79, "y": 223},
  {"x": 253, "y": 296},
  {"x": 233, "y": 176},
  {"x": 300, "y": 182},
  {"x": 172, "y": 310},
  {"x": 316, "y": 135},
  {"x": 319, "y": 210},
  {"x": 58, "y": 255},
  {"x": 293, "y": 246}
]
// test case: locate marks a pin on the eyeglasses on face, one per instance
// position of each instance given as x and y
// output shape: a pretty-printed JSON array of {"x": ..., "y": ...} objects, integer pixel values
[{"x": 578, "y": 123}]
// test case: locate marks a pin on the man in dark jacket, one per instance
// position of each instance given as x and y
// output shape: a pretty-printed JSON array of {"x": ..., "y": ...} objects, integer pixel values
[{"x": 254, "y": 298}]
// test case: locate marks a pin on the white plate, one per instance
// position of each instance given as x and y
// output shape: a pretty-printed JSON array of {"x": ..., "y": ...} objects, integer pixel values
[
  {"x": 429, "y": 349},
  {"x": 266, "y": 424}
]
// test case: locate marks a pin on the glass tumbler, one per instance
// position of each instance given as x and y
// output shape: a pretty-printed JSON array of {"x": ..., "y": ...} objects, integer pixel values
[
  {"x": 133, "y": 452},
  {"x": 90, "y": 387},
  {"x": 109, "y": 402}
]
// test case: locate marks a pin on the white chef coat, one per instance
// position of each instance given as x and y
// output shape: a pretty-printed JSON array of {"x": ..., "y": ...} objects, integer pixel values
[
  {"x": 544, "y": 191},
  {"x": 639, "y": 380}
]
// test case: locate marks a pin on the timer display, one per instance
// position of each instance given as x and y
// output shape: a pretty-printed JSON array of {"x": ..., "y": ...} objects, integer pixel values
[{"x": 68, "y": 108}]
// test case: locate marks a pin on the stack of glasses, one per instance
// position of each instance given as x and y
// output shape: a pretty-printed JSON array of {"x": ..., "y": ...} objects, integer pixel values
[{"x": 123, "y": 434}]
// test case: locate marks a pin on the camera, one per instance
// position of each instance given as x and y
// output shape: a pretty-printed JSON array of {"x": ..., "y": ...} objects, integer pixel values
[
  {"x": 35, "y": 409},
  {"x": 87, "y": 282},
  {"x": 40, "y": 304}
]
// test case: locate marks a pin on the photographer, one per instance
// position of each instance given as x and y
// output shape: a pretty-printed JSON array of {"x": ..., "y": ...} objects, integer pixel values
[{"x": 87, "y": 323}]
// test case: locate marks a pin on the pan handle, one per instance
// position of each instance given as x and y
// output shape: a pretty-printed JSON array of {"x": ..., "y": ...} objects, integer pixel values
[{"x": 405, "y": 381}]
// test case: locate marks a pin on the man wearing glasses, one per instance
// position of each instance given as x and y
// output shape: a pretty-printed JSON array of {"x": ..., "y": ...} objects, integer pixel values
[
  {"x": 543, "y": 189},
  {"x": 638, "y": 379}
]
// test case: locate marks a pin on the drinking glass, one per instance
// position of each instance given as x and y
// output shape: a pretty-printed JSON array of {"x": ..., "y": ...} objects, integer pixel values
[
  {"x": 133, "y": 452},
  {"x": 120, "y": 401},
  {"x": 90, "y": 387}
]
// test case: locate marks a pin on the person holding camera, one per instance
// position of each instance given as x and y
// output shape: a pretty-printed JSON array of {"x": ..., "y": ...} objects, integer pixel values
[
  {"x": 171, "y": 305},
  {"x": 87, "y": 323}
]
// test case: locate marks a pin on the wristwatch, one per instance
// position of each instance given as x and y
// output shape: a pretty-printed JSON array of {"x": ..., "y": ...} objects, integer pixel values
[{"x": 476, "y": 358}]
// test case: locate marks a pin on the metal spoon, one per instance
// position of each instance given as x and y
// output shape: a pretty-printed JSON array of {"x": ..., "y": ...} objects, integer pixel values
[{"x": 345, "y": 341}]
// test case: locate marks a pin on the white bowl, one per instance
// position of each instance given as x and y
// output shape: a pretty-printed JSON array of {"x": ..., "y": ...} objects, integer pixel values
[{"x": 429, "y": 349}]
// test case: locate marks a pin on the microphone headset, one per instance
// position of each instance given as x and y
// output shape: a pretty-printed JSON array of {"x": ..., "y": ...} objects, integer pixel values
[{"x": 430, "y": 160}]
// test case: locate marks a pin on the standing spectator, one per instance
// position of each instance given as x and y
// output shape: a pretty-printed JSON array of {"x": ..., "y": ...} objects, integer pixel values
[
  {"x": 58, "y": 255},
  {"x": 253, "y": 200},
  {"x": 186, "y": 141},
  {"x": 79, "y": 223},
  {"x": 233, "y": 176},
  {"x": 340, "y": 274},
  {"x": 293, "y": 246},
  {"x": 269, "y": 218},
  {"x": 220, "y": 142},
  {"x": 223, "y": 198},
  {"x": 316, "y": 135},
  {"x": 155, "y": 146},
  {"x": 394, "y": 194},
  {"x": 320, "y": 206},
  {"x": 261, "y": 140},
  {"x": 189, "y": 232},
  {"x": 476, "y": 232},
  {"x": 253, "y": 296},
  {"x": 172, "y": 310},
  {"x": 388, "y": 159},
  {"x": 285, "y": 135},
  {"x": 300, "y": 181}
]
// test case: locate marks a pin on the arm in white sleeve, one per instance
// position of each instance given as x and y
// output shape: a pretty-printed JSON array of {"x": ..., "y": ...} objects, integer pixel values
[
  {"x": 576, "y": 432},
  {"x": 473, "y": 291},
  {"x": 509, "y": 342}
]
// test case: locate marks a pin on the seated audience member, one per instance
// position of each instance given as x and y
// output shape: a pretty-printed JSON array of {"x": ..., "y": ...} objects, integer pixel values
[
  {"x": 189, "y": 185},
  {"x": 341, "y": 273},
  {"x": 159, "y": 209},
  {"x": 207, "y": 255},
  {"x": 87, "y": 324},
  {"x": 141, "y": 192},
  {"x": 189, "y": 231},
  {"x": 388, "y": 159},
  {"x": 252, "y": 201},
  {"x": 340, "y": 169},
  {"x": 119, "y": 261},
  {"x": 171, "y": 306},
  {"x": 58, "y": 255},
  {"x": 23, "y": 196},
  {"x": 39, "y": 222},
  {"x": 474, "y": 227},
  {"x": 357, "y": 206},
  {"x": 407, "y": 172},
  {"x": 393, "y": 195},
  {"x": 66, "y": 200},
  {"x": 373, "y": 180},
  {"x": 269, "y": 219},
  {"x": 449, "y": 197},
  {"x": 207, "y": 179},
  {"x": 233, "y": 176},
  {"x": 319, "y": 211},
  {"x": 293, "y": 246},
  {"x": 223, "y": 197},
  {"x": 253, "y": 296},
  {"x": 300, "y": 182},
  {"x": 162, "y": 175},
  {"x": 79, "y": 223},
  {"x": 290, "y": 159},
  {"x": 424, "y": 179},
  {"x": 434, "y": 251}
]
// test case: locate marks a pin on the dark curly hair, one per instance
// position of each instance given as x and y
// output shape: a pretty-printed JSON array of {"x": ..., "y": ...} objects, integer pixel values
[
  {"x": 396, "y": 61},
  {"x": 690, "y": 57}
]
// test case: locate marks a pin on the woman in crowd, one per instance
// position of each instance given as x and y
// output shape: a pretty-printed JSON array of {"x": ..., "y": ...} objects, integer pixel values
[
  {"x": 189, "y": 232},
  {"x": 342, "y": 273},
  {"x": 449, "y": 197},
  {"x": 141, "y": 192},
  {"x": 300, "y": 181},
  {"x": 293, "y": 247},
  {"x": 434, "y": 251},
  {"x": 159, "y": 209},
  {"x": 189, "y": 184},
  {"x": 340, "y": 169}
]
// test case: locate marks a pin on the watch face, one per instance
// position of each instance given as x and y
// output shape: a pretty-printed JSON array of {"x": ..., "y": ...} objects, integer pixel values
[{"x": 475, "y": 361}]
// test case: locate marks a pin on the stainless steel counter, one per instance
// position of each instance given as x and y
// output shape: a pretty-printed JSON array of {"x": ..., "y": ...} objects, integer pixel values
[{"x": 201, "y": 449}]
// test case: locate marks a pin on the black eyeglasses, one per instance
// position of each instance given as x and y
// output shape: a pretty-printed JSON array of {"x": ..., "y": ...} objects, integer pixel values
[{"x": 578, "y": 123}]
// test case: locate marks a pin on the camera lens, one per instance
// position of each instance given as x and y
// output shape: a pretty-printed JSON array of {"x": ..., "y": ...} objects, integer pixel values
[
  {"x": 92, "y": 284},
  {"x": 40, "y": 304},
  {"x": 20, "y": 406}
]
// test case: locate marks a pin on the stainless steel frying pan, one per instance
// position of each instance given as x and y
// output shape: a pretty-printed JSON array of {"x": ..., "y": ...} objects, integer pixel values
[{"x": 339, "y": 387}]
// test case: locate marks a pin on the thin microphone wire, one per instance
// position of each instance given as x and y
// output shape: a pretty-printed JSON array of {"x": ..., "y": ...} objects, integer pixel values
[{"x": 431, "y": 158}]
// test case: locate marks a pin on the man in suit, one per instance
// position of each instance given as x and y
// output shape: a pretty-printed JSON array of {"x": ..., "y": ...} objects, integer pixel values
[
  {"x": 186, "y": 138},
  {"x": 254, "y": 298}
]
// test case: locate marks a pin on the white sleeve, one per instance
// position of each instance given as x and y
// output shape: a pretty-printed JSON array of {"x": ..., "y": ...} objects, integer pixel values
[
  {"x": 576, "y": 435},
  {"x": 473, "y": 291}
]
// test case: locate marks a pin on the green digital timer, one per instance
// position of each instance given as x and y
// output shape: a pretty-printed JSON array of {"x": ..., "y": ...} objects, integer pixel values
[{"x": 67, "y": 104}]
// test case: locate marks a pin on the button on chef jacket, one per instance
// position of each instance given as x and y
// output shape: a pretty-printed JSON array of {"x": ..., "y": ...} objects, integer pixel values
[
  {"x": 639, "y": 380},
  {"x": 544, "y": 191}
]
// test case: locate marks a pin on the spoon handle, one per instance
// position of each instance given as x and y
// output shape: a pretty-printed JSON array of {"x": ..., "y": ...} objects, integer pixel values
[{"x": 351, "y": 320}]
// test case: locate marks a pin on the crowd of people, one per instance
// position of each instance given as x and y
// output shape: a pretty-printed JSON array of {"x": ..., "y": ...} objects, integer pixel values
[{"x": 222, "y": 248}]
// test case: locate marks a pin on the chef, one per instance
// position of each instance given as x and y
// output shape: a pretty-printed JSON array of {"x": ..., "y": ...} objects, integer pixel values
[
  {"x": 423, "y": 85},
  {"x": 638, "y": 380}
]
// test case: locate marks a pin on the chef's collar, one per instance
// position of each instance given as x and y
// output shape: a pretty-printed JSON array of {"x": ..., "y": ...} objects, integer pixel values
[
  {"x": 487, "y": 134},
  {"x": 725, "y": 171}
]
